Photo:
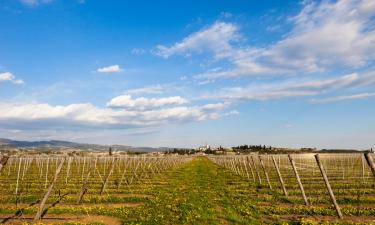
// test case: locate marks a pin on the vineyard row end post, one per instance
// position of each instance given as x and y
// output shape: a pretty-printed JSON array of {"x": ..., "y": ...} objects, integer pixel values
[
  {"x": 265, "y": 172},
  {"x": 38, "y": 215},
  {"x": 298, "y": 179},
  {"x": 324, "y": 175},
  {"x": 370, "y": 162},
  {"x": 280, "y": 177}
]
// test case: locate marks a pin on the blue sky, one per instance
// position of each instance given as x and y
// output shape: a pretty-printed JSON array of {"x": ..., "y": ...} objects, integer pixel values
[{"x": 180, "y": 74}]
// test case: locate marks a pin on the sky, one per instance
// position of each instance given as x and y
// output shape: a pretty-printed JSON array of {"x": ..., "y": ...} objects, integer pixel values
[{"x": 185, "y": 73}]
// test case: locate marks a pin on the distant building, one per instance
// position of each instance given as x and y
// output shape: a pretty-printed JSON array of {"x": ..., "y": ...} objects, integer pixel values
[{"x": 204, "y": 147}]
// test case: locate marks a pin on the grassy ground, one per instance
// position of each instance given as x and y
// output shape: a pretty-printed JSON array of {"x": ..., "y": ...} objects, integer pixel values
[
  {"x": 201, "y": 192},
  {"x": 198, "y": 193}
]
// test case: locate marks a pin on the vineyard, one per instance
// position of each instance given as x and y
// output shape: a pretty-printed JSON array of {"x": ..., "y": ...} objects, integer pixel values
[
  {"x": 77, "y": 185},
  {"x": 237, "y": 189},
  {"x": 287, "y": 186}
]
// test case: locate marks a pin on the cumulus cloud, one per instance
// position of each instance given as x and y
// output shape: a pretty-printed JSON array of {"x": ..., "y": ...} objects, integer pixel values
[
  {"x": 324, "y": 34},
  {"x": 344, "y": 98},
  {"x": 142, "y": 103},
  {"x": 109, "y": 69},
  {"x": 45, "y": 116},
  {"x": 7, "y": 76}
]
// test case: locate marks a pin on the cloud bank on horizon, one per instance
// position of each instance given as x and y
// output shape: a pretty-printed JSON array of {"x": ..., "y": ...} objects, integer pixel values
[{"x": 217, "y": 71}]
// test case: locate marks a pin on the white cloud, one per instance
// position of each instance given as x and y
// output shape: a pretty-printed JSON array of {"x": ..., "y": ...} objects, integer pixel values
[
  {"x": 37, "y": 111},
  {"x": 182, "y": 113},
  {"x": 216, "y": 38},
  {"x": 156, "y": 89},
  {"x": 293, "y": 88},
  {"x": 42, "y": 116},
  {"x": 142, "y": 103},
  {"x": 215, "y": 106},
  {"x": 109, "y": 69},
  {"x": 7, "y": 76},
  {"x": 337, "y": 82},
  {"x": 344, "y": 98},
  {"x": 323, "y": 35}
]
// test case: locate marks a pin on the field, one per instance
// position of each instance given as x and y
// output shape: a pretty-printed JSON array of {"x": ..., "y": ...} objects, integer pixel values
[{"x": 186, "y": 190}]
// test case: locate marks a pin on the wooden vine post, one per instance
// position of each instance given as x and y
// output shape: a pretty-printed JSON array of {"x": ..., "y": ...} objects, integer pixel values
[
  {"x": 108, "y": 175},
  {"x": 265, "y": 172},
  {"x": 251, "y": 169},
  {"x": 256, "y": 170},
  {"x": 280, "y": 177},
  {"x": 363, "y": 168},
  {"x": 85, "y": 182},
  {"x": 247, "y": 172},
  {"x": 39, "y": 213},
  {"x": 370, "y": 162},
  {"x": 324, "y": 175},
  {"x": 3, "y": 161},
  {"x": 298, "y": 179}
]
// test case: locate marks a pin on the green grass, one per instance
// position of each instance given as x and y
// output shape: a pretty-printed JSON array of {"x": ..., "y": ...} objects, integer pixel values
[{"x": 198, "y": 193}]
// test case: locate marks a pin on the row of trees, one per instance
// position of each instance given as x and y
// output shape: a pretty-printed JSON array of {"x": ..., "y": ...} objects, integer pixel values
[
  {"x": 181, "y": 151},
  {"x": 269, "y": 149},
  {"x": 251, "y": 148}
]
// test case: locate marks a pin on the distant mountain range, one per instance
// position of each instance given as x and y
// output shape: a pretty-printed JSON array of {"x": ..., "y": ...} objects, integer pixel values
[{"x": 57, "y": 144}]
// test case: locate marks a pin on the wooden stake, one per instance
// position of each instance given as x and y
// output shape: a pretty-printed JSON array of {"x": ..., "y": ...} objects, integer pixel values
[
  {"x": 123, "y": 174},
  {"x": 363, "y": 168},
  {"x": 3, "y": 161},
  {"x": 38, "y": 215},
  {"x": 265, "y": 172},
  {"x": 337, "y": 207},
  {"x": 370, "y": 162},
  {"x": 18, "y": 174},
  {"x": 256, "y": 170},
  {"x": 279, "y": 175},
  {"x": 86, "y": 181},
  {"x": 45, "y": 183},
  {"x": 298, "y": 179},
  {"x": 251, "y": 169},
  {"x": 107, "y": 177},
  {"x": 247, "y": 173},
  {"x": 68, "y": 170}
]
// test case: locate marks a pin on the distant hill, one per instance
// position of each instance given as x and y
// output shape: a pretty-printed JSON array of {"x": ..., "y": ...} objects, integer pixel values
[{"x": 57, "y": 144}]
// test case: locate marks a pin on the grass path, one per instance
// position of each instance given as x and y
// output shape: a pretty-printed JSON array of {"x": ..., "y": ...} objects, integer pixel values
[{"x": 199, "y": 192}]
